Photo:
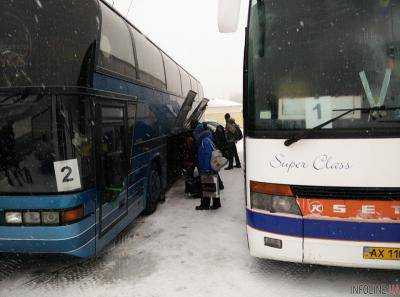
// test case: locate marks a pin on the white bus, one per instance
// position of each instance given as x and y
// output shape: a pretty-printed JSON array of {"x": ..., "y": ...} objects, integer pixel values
[{"x": 322, "y": 128}]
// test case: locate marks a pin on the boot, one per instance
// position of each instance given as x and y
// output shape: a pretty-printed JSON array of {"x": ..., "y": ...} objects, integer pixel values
[
  {"x": 216, "y": 203},
  {"x": 205, "y": 204}
]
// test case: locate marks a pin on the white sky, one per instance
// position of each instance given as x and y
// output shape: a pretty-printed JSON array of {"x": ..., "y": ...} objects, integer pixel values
[{"x": 188, "y": 31}]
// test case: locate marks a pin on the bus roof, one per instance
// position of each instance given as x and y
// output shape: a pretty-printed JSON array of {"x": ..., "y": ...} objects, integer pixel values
[{"x": 130, "y": 23}]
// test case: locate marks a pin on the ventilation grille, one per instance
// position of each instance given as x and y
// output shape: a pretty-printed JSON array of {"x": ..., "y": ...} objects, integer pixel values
[{"x": 347, "y": 192}]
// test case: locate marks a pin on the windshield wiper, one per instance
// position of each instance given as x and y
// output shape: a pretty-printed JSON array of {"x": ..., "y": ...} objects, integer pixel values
[{"x": 296, "y": 138}]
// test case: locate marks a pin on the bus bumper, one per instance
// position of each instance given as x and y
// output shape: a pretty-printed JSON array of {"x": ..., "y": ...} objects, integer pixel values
[
  {"x": 345, "y": 253},
  {"x": 302, "y": 240},
  {"x": 291, "y": 251},
  {"x": 317, "y": 251},
  {"x": 78, "y": 239}
]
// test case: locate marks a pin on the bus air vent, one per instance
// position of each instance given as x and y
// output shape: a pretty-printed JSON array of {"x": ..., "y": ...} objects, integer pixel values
[{"x": 347, "y": 192}]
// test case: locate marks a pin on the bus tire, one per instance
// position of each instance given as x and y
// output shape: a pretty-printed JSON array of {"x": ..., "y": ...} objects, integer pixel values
[{"x": 154, "y": 191}]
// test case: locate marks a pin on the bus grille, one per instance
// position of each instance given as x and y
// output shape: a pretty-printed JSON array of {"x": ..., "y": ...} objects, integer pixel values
[{"x": 347, "y": 193}]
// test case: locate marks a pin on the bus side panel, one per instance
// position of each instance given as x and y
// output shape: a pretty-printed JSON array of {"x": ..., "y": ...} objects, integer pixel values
[
  {"x": 133, "y": 212},
  {"x": 150, "y": 140},
  {"x": 155, "y": 119}
]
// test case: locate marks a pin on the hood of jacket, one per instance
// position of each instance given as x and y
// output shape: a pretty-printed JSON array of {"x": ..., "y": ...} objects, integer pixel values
[
  {"x": 205, "y": 134},
  {"x": 199, "y": 133}
]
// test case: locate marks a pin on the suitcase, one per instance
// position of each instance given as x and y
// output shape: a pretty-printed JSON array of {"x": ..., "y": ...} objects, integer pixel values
[{"x": 193, "y": 187}]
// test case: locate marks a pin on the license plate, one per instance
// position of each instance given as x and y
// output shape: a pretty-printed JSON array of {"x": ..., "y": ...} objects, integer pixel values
[{"x": 381, "y": 253}]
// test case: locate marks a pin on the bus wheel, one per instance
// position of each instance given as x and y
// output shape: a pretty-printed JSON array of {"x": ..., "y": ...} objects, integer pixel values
[{"x": 154, "y": 191}]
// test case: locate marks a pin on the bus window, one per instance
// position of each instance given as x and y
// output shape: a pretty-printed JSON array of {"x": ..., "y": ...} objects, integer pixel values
[
  {"x": 303, "y": 71},
  {"x": 112, "y": 150},
  {"x": 116, "y": 54},
  {"x": 151, "y": 68},
  {"x": 46, "y": 46},
  {"x": 186, "y": 87},
  {"x": 173, "y": 76},
  {"x": 38, "y": 132}
]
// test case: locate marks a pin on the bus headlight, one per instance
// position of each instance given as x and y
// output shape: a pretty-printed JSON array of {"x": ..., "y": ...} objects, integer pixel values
[
  {"x": 31, "y": 218},
  {"x": 50, "y": 217},
  {"x": 273, "y": 198},
  {"x": 285, "y": 204},
  {"x": 260, "y": 201},
  {"x": 13, "y": 218}
]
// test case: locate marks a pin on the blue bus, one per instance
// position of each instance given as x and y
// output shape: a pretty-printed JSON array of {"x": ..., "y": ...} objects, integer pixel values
[{"x": 89, "y": 110}]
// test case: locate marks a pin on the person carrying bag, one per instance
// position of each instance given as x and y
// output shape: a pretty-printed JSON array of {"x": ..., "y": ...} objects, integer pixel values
[
  {"x": 218, "y": 161},
  {"x": 208, "y": 175},
  {"x": 233, "y": 135}
]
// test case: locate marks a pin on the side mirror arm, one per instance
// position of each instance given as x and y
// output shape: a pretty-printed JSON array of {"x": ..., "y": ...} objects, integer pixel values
[{"x": 228, "y": 15}]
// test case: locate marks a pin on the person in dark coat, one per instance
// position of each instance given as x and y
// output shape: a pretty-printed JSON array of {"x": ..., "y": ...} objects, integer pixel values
[
  {"x": 230, "y": 130},
  {"x": 220, "y": 140},
  {"x": 189, "y": 164},
  {"x": 207, "y": 174},
  {"x": 221, "y": 144}
]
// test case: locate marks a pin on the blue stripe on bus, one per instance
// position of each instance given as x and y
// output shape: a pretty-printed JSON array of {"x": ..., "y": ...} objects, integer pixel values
[
  {"x": 275, "y": 224},
  {"x": 325, "y": 229},
  {"x": 352, "y": 231},
  {"x": 50, "y": 202}
]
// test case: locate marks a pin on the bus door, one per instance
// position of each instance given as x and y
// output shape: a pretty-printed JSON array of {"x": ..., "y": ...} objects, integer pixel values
[
  {"x": 111, "y": 140},
  {"x": 197, "y": 113},
  {"x": 185, "y": 109}
]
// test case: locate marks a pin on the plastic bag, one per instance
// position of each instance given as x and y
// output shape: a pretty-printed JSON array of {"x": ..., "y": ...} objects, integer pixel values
[{"x": 218, "y": 161}]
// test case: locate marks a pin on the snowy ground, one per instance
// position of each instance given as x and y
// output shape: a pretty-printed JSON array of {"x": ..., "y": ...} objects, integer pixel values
[{"x": 182, "y": 252}]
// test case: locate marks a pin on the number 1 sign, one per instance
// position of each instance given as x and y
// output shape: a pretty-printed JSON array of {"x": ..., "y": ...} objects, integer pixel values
[
  {"x": 67, "y": 175},
  {"x": 318, "y": 111}
]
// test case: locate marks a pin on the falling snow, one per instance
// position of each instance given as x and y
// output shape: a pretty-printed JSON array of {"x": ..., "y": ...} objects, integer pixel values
[
  {"x": 39, "y": 4},
  {"x": 180, "y": 252}
]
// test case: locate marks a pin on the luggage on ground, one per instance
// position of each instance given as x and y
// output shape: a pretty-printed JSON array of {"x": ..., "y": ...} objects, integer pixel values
[
  {"x": 210, "y": 186},
  {"x": 193, "y": 187}
]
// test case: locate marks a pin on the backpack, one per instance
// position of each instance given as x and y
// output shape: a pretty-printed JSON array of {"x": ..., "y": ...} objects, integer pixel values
[{"x": 238, "y": 133}]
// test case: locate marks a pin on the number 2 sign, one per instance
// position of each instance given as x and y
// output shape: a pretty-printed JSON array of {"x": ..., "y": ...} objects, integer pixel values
[
  {"x": 318, "y": 111},
  {"x": 67, "y": 175}
]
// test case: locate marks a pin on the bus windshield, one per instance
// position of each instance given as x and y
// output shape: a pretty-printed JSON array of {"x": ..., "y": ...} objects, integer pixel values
[
  {"x": 310, "y": 61},
  {"x": 36, "y": 131},
  {"x": 47, "y": 43}
]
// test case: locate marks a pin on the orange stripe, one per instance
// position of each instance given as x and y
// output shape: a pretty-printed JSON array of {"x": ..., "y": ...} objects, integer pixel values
[
  {"x": 350, "y": 209},
  {"x": 270, "y": 189}
]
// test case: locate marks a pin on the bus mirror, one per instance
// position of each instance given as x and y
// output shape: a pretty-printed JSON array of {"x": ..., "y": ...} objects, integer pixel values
[{"x": 228, "y": 15}]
